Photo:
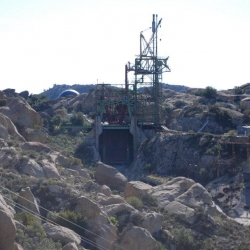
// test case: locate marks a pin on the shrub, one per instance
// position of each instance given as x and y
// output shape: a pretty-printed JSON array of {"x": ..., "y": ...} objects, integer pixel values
[
  {"x": 183, "y": 238},
  {"x": 33, "y": 236},
  {"x": 25, "y": 218},
  {"x": 149, "y": 200},
  {"x": 179, "y": 104},
  {"x": 238, "y": 90},
  {"x": 209, "y": 92},
  {"x": 160, "y": 246},
  {"x": 135, "y": 202},
  {"x": 77, "y": 119},
  {"x": 221, "y": 116},
  {"x": 56, "y": 120},
  {"x": 114, "y": 221},
  {"x": 74, "y": 221},
  {"x": 39, "y": 102}
]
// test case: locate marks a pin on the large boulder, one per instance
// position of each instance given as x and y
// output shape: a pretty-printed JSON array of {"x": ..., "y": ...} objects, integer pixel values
[
  {"x": 70, "y": 246},
  {"x": 153, "y": 222},
  {"x": 3, "y": 132},
  {"x": 35, "y": 146},
  {"x": 8, "y": 156},
  {"x": 31, "y": 167},
  {"x": 185, "y": 199},
  {"x": 62, "y": 160},
  {"x": 63, "y": 234},
  {"x": 231, "y": 194},
  {"x": 82, "y": 172},
  {"x": 21, "y": 114},
  {"x": 7, "y": 227},
  {"x": 5, "y": 208},
  {"x": 101, "y": 230},
  {"x": 245, "y": 103},
  {"x": 136, "y": 188},
  {"x": 115, "y": 199},
  {"x": 11, "y": 128},
  {"x": 49, "y": 169},
  {"x": 87, "y": 207},
  {"x": 196, "y": 197},
  {"x": 170, "y": 190},
  {"x": 17, "y": 247},
  {"x": 37, "y": 135},
  {"x": 182, "y": 211},
  {"x": 135, "y": 238},
  {"x": 114, "y": 209},
  {"x": 27, "y": 200},
  {"x": 107, "y": 175}
]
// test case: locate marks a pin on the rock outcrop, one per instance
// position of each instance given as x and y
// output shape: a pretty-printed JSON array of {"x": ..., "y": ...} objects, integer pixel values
[
  {"x": 185, "y": 199},
  {"x": 103, "y": 231},
  {"x": 31, "y": 167},
  {"x": 63, "y": 234},
  {"x": 135, "y": 238},
  {"x": 136, "y": 188},
  {"x": 21, "y": 114},
  {"x": 7, "y": 128},
  {"x": 7, "y": 227},
  {"x": 110, "y": 176},
  {"x": 35, "y": 146},
  {"x": 27, "y": 201},
  {"x": 70, "y": 246},
  {"x": 49, "y": 169},
  {"x": 153, "y": 222}
]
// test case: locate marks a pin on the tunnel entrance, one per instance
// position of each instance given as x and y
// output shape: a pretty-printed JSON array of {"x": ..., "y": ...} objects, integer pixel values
[{"x": 116, "y": 146}]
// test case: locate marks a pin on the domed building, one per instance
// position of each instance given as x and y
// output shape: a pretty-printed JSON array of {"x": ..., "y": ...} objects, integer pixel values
[{"x": 68, "y": 93}]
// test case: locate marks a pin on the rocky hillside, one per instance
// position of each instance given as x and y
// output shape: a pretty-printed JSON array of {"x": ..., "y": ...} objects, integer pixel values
[
  {"x": 56, "y": 194},
  {"x": 57, "y": 89}
]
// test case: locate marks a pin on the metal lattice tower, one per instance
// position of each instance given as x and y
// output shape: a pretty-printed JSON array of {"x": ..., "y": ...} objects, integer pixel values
[
  {"x": 148, "y": 69},
  {"x": 143, "y": 97}
]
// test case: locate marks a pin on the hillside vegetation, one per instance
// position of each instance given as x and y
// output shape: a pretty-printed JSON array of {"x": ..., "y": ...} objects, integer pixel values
[{"x": 187, "y": 188}]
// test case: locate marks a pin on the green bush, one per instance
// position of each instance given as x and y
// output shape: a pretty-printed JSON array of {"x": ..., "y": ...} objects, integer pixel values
[
  {"x": 77, "y": 119},
  {"x": 238, "y": 90},
  {"x": 39, "y": 102},
  {"x": 34, "y": 242},
  {"x": 114, "y": 221},
  {"x": 149, "y": 200},
  {"x": 25, "y": 218},
  {"x": 160, "y": 246},
  {"x": 74, "y": 221},
  {"x": 135, "y": 202},
  {"x": 221, "y": 116},
  {"x": 33, "y": 236},
  {"x": 209, "y": 92},
  {"x": 183, "y": 238}
]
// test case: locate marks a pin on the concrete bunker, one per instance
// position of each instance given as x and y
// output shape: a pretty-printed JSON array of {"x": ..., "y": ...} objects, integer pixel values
[{"x": 116, "y": 146}]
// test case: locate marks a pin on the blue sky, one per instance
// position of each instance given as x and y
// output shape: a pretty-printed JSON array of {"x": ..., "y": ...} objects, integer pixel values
[{"x": 79, "y": 41}]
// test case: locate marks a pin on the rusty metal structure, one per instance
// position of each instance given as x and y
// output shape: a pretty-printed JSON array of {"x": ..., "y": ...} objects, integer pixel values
[
  {"x": 125, "y": 112},
  {"x": 233, "y": 144},
  {"x": 143, "y": 97}
]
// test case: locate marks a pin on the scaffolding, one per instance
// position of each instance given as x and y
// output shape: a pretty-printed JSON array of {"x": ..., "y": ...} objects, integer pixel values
[
  {"x": 143, "y": 97},
  {"x": 233, "y": 158}
]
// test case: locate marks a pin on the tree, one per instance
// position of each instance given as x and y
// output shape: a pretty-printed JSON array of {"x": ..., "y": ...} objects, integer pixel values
[
  {"x": 209, "y": 92},
  {"x": 77, "y": 119}
]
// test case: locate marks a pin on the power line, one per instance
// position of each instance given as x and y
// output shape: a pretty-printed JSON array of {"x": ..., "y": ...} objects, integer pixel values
[
  {"x": 26, "y": 210},
  {"x": 61, "y": 217}
]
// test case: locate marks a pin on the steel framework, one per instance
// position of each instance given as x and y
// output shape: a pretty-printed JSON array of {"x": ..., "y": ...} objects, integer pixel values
[{"x": 142, "y": 98}]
